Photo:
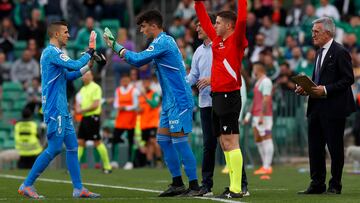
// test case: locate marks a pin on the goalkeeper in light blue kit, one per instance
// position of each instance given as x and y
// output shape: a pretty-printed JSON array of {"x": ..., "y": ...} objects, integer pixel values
[
  {"x": 56, "y": 69},
  {"x": 177, "y": 103}
]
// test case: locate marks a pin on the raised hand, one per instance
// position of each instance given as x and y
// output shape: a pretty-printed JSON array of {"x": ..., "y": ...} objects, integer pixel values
[
  {"x": 111, "y": 42},
  {"x": 92, "y": 40}
]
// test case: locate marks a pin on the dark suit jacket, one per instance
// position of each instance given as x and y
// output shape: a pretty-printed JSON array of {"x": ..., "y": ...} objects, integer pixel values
[{"x": 336, "y": 74}]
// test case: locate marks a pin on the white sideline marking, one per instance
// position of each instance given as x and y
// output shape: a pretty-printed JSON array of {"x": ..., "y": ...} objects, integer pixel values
[{"x": 113, "y": 186}]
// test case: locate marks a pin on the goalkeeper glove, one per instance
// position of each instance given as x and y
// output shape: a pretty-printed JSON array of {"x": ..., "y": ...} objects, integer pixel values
[
  {"x": 99, "y": 58},
  {"x": 111, "y": 42},
  {"x": 92, "y": 43}
]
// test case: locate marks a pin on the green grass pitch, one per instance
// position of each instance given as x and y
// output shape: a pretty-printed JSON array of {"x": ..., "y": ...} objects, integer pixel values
[{"x": 282, "y": 187}]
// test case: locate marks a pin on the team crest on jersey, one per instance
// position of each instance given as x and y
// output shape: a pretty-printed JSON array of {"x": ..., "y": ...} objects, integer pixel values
[
  {"x": 64, "y": 57},
  {"x": 150, "y": 48}
]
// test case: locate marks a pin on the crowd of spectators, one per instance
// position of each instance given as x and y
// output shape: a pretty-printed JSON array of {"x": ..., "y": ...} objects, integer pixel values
[{"x": 278, "y": 32}]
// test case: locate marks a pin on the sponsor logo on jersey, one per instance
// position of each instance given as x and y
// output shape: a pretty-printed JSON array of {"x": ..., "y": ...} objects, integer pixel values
[
  {"x": 150, "y": 48},
  {"x": 64, "y": 57},
  {"x": 172, "y": 122}
]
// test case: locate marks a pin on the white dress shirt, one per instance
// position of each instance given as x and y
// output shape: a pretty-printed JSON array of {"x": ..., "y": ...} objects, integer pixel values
[{"x": 326, "y": 48}]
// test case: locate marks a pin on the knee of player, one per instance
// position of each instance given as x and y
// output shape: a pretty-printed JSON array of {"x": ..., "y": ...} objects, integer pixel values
[{"x": 53, "y": 152}]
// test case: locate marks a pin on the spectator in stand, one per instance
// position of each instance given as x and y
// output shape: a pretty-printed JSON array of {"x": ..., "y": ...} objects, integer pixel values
[
  {"x": 252, "y": 29},
  {"x": 284, "y": 80},
  {"x": 296, "y": 14},
  {"x": 177, "y": 29},
  {"x": 279, "y": 13},
  {"x": 306, "y": 24},
  {"x": 34, "y": 96},
  {"x": 271, "y": 66},
  {"x": 6, "y": 8},
  {"x": 254, "y": 53},
  {"x": 93, "y": 8},
  {"x": 36, "y": 28},
  {"x": 4, "y": 67},
  {"x": 8, "y": 36},
  {"x": 186, "y": 11},
  {"x": 53, "y": 10},
  {"x": 296, "y": 58},
  {"x": 290, "y": 44},
  {"x": 25, "y": 69},
  {"x": 270, "y": 30},
  {"x": 119, "y": 66},
  {"x": 33, "y": 47},
  {"x": 22, "y": 16},
  {"x": 346, "y": 8},
  {"x": 74, "y": 13},
  {"x": 350, "y": 42},
  {"x": 82, "y": 39},
  {"x": 327, "y": 10},
  {"x": 306, "y": 66}
]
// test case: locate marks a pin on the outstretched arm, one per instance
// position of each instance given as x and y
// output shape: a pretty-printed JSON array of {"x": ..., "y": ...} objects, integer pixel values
[
  {"x": 62, "y": 60},
  {"x": 204, "y": 19},
  {"x": 240, "y": 27}
]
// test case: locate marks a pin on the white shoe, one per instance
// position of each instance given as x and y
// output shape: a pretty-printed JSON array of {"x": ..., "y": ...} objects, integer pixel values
[
  {"x": 128, "y": 166},
  {"x": 114, "y": 164}
]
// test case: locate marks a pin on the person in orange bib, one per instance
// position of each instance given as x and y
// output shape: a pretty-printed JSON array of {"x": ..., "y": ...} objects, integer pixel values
[
  {"x": 126, "y": 103},
  {"x": 149, "y": 112}
]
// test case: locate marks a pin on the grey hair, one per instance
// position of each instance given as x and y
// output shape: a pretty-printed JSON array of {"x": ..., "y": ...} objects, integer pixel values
[{"x": 328, "y": 24}]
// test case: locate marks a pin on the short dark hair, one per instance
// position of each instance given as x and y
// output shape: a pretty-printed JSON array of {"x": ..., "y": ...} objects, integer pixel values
[
  {"x": 228, "y": 15},
  {"x": 53, "y": 27},
  {"x": 258, "y": 63},
  {"x": 151, "y": 17},
  {"x": 26, "y": 113}
]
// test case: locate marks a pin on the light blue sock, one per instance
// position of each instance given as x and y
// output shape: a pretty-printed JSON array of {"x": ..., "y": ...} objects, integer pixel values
[
  {"x": 53, "y": 149},
  {"x": 39, "y": 166},
  {"x": 188, "y": 159},
  {"x": 72, "y": 160},
  {"x": 171, "y": 157}
]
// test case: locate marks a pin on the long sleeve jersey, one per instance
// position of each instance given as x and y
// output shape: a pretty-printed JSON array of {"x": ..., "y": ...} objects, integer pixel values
[
  {"x": 227, "y": 53},
  {"x": 56, "y": 68},
  {"x": 170, "y": 71}
]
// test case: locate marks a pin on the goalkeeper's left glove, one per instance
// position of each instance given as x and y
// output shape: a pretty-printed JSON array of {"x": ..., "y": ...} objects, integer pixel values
[
  {"x": 92, "y": 43},
  {"x": 99, "y": 58},
  {"x": 111, "y": 42}
]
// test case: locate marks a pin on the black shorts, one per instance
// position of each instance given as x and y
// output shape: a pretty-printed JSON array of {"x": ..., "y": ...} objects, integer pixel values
[
  {"x": 226, "y": 112},
  {"x": 118, "y": 132},
  {"x": 89, "y": 128},
  {"x": 146, "y": 134}
]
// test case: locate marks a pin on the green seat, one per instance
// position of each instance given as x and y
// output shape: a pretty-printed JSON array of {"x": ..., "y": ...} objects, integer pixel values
[
  {"x": 9, "y": 144},
  {"x": 19, "y": 48},
  {"x": 7, "y": 105},
  {"x": 282, "y": 36},
  {"x": 11, "y": 115},
  {"x": 109, "y": 123},
  {"x": 14, "y": 95},
  {"x": 12, "y": 86},
  {"x": 19, "y": 105}
]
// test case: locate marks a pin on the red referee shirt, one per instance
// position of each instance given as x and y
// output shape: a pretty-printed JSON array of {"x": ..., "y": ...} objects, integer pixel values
[{"x": 228, "y": 53}]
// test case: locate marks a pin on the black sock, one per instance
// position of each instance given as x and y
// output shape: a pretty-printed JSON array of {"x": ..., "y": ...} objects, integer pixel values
[
  {"x": 194, "y": 185},
  {"x": 177, "y": 181}
]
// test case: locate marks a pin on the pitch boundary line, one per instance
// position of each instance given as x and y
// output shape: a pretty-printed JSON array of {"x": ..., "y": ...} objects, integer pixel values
[{"x": 113, "y": 186}]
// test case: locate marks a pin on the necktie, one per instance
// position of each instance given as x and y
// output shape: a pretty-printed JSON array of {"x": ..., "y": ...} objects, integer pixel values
[{"x": 318, "y": 66}]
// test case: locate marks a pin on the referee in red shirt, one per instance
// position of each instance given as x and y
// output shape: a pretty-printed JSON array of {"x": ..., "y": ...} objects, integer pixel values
[{"x": 229, "y": 42}]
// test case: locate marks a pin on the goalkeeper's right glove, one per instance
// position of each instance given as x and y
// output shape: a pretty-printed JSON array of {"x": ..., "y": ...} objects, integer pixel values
[{"x": 111, "y": 42}]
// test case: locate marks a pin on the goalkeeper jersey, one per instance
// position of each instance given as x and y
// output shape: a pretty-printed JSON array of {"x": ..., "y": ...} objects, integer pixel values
[
  {"x": 56, "y": 68},
  {"x": 170, "y": 70}
]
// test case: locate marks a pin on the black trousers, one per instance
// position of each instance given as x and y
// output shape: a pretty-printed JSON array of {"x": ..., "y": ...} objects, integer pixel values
[
  {"x": 209, "y": 150},
  {"x": 326, "y": 131}
]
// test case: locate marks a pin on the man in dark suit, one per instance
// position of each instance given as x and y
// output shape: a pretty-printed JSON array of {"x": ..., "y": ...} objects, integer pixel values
[{"x": 329, "y": 105}]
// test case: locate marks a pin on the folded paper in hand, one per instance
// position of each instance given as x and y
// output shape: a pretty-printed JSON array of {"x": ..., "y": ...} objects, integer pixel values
[{"x": 306, "y": 83}]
